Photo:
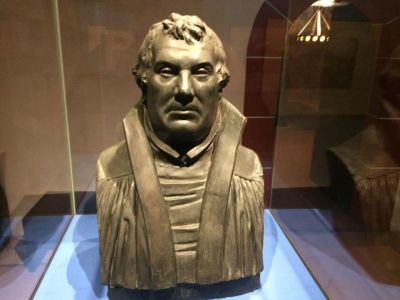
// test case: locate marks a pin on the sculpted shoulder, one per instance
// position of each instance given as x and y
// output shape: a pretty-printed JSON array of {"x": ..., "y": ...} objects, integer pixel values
[
  {"x": 114, "y": 162},
  {"x": 247, "y": 163}
]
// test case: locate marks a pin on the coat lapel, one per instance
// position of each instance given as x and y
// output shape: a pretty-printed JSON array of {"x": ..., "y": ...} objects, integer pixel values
[
  {"x": 212, "y": 224},
  {"x": 156, "y": 218}
]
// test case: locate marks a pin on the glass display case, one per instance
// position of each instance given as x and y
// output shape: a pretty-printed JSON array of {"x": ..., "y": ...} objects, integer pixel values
[
  {"x": 319, "y": 84},
  {"x": 335, "y": 177}
]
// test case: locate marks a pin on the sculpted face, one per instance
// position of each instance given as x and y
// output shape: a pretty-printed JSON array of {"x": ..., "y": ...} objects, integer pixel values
[{"x": 182, "y": 92}]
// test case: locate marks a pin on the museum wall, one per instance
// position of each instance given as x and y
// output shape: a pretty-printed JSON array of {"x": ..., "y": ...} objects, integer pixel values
[{"x": 33, "y": 154}]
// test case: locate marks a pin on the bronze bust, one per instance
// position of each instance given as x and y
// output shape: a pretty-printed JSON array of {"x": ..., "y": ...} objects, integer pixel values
[{"x": 180, "y": 201}]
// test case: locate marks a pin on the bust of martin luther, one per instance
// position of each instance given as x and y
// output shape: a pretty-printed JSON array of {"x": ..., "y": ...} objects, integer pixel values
[{"x": 179, "y": 200}]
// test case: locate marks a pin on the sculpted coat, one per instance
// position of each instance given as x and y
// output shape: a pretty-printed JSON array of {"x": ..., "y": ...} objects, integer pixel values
[{"x": 141, "y": 248}]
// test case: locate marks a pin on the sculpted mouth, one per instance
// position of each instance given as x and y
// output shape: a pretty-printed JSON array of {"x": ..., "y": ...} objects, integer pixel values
[
  {"x": 189, "y": 109},
  {"x": 183, "y": 110},
  {"x": 183, "y": 113}
]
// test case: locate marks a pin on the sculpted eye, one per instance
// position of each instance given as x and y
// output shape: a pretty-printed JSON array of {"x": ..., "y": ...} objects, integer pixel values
[
  {"x": 166, "y": 72},
  {"x": 202, "y": 73}
]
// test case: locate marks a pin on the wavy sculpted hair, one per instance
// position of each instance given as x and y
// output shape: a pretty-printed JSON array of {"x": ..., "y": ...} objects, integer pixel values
[{"x": 192, "y": 30}]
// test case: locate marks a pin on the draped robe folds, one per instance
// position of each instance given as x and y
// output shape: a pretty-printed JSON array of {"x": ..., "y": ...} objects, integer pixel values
[{"x": 136, "y": 243}]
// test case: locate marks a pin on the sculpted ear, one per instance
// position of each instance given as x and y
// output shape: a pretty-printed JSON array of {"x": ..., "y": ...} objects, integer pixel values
[
  {"x": 223, "y": 76},
  {"x": 141, "y": 80},
  {"x": 142, "y": 83},
  {"x": 144, "y": 79},
  {"x": 223, "y": 81}
]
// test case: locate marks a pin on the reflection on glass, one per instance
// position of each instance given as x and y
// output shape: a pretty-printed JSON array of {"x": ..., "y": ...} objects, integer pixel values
[
  {"x": 335, "y": 186},
  {"x": 315, "y": 22},
  {"x": 34, "y": 185},
  {"x": 365, "y": 170}
]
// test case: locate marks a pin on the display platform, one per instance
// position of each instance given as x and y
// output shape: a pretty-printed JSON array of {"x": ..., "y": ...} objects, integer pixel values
[{"x": 74, "y": 272}]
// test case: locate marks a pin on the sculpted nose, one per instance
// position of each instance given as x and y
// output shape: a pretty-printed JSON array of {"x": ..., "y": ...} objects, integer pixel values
[
  {"x": 184, "y": 85},
  {"x": 184, "y": 91}
]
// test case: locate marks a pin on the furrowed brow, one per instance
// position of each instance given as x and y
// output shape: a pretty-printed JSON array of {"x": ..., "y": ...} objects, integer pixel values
[
  {"x": 162, "y": 63},
  {"x": 206, "y": 65}
]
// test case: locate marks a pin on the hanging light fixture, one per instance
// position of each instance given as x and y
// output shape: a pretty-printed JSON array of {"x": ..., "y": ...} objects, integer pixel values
[{"x": 314, "y": 25}]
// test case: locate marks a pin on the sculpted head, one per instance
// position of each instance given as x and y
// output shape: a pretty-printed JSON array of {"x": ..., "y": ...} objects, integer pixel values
[{"x": 181, "y": 71}]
